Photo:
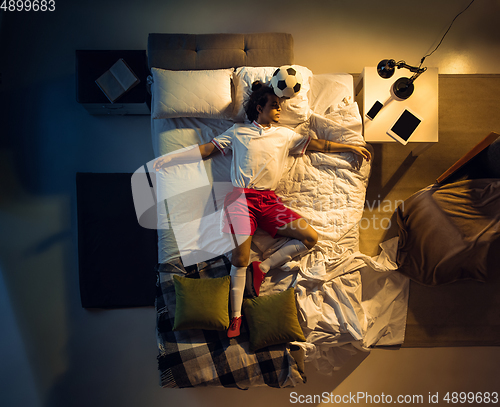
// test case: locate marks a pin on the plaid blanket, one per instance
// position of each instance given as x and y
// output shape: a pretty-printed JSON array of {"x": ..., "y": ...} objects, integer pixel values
[{"x": 208, "y": 358}]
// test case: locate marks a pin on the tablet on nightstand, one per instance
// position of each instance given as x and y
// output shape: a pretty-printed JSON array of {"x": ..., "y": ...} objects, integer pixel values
[{"x": 404, "y": 127}]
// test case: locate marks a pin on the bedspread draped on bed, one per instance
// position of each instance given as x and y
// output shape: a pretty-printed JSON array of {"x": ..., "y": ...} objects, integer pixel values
[{"x": 348, "y": 302}]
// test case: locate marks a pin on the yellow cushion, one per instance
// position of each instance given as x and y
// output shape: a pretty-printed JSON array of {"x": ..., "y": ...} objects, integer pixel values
[
  {"x": 201, "y": 303},
  {"x": 272, "y": 319}
]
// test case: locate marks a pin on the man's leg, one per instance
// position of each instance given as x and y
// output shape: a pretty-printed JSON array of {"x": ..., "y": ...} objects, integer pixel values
[
  {"x": 304, "y": 237},
  {"x": 240, "y": 257}
]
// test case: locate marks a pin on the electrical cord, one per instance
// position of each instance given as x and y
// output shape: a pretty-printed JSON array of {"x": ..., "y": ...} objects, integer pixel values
[{"x": 423, "y": 59}]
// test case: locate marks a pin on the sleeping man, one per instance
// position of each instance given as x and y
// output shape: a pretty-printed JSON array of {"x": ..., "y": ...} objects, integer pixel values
[{"x": 259, "y": 151}]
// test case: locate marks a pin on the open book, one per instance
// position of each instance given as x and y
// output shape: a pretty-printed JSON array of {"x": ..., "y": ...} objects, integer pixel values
[{"x": 117, "y": 80}]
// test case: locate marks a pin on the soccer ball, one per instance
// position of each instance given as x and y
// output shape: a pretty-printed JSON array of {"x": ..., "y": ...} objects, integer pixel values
[{"x": 286, "y": 82}]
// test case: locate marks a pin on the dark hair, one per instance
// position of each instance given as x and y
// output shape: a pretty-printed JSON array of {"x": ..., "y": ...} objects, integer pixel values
[{"x": 258, "y": 97}]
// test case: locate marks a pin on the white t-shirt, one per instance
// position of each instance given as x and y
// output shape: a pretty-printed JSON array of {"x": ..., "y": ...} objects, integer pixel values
[{"x": 259, "y": 153}]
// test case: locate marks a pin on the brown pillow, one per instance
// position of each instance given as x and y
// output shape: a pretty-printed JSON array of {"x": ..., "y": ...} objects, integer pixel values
[{"x": 445, "y": 231}]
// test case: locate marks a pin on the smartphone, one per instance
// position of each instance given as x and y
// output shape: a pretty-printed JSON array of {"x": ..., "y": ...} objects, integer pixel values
[{"x": 374, "y": 110}]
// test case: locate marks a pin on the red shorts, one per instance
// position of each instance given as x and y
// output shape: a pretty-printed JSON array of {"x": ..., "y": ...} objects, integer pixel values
[{"x": 248, "y": 208}]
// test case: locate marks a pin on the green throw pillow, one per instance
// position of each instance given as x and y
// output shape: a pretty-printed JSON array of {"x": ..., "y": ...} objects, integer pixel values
[
  {"x": 201, "y": 303},
  {"x": 272, "y": 319}
]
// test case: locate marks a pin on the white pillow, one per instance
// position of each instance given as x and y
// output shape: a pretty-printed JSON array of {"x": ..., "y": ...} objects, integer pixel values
[
  {"x": 293, "y": 111},
  {"x": 204, "y": 94}
]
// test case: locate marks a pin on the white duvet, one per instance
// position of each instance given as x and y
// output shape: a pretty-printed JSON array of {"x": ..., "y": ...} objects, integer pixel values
[{"x": 347, "y": 300}]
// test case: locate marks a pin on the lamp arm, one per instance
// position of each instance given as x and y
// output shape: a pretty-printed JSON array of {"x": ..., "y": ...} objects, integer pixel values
[
  {"x": 417, "y": 73},
  {"x": 418, "y": 70},
  {"x": 386, "y": 67}
]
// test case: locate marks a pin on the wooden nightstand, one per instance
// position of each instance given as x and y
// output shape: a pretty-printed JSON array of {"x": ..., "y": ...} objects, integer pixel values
[
  {"x": 90, "y": 64},
  {"x": 423, "y": 101}
]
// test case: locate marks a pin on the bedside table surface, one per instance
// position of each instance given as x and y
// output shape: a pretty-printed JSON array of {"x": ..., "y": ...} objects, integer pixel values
[
  {"x": 423, "y": 102},
  {"x": 90, "y": 64}
]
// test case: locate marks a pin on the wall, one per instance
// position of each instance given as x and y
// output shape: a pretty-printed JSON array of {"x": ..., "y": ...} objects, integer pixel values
[{"x": 56, "y": 353}]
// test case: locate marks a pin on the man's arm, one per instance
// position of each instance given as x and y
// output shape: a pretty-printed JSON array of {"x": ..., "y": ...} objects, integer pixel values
[
  {"x": 205, "y": 150},
  {"x": 326, "y": 146}
]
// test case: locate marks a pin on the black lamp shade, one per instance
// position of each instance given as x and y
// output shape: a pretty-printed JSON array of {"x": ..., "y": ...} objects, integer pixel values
[
  {"x": 403, "y": 88},
  {"x": 386, "y": 68}
]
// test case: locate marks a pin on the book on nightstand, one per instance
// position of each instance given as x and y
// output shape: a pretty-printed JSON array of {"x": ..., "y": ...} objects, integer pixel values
[{"x": 117, "y": 80}]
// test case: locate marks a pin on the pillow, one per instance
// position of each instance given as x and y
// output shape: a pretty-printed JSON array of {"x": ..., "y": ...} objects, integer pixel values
[
  {"x": 272, "y": 319},
  {"x": 330, "y": 91},
  {"x": 205, "y": 94},
  {"x": 293, "y": 111},
  {"x": 201, "y": 303}
]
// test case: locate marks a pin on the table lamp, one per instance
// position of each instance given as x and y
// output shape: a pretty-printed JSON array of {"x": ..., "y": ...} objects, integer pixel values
[{"x": 403, "y": 87}]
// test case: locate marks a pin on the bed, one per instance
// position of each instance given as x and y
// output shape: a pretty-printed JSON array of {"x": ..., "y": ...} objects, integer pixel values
[{"x": 346, "y": 302}]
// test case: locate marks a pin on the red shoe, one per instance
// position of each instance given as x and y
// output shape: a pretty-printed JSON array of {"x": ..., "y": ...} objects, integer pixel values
[
  {"x": 255, "y": 278},
  {"x": 234, "y": 327}
]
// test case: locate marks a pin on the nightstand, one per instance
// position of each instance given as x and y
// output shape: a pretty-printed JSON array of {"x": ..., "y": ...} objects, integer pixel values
[
  {"x": 90, "y": 64},
  {"x": 423, "y": 102}
]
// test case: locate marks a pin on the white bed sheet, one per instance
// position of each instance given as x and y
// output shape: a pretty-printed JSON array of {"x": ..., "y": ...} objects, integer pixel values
[{"x": 349, "y": 302}]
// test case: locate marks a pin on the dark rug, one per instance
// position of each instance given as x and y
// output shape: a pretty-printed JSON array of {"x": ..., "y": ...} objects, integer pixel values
[{"x": 116, "y": 256}]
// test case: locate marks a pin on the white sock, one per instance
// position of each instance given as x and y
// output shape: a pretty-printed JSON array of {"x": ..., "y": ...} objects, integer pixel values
[
  {"x": 237, "y": 289},
  {"x": 286, "y": 253}
]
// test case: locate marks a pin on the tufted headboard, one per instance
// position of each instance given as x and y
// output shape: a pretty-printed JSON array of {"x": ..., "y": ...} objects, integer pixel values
[{"x": 218, "y": 51}]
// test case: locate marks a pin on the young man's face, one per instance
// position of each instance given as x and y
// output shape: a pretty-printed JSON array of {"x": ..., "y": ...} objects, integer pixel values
[{"x": 270, "y": 113}]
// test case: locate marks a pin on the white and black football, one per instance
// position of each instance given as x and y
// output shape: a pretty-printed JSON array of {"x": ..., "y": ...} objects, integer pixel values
[{"x": 286, "y": 82}]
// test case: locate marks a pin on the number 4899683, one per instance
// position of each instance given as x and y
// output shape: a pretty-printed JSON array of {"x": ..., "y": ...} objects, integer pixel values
[{"x": 28, "y": 5}]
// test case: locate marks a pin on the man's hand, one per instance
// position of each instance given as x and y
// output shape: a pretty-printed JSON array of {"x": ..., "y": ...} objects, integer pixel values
[
  {"x": 363, "y": 152},
  {"x": 161, "y": 162},
  {"x": 186, "y": 157},
  {"x": 326, "y": 146}
]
